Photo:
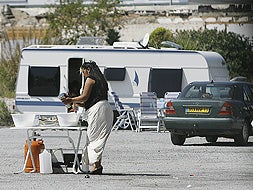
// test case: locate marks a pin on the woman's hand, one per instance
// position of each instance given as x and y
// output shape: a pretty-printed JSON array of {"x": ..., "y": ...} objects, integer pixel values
[{"x": 67, "y": 100}]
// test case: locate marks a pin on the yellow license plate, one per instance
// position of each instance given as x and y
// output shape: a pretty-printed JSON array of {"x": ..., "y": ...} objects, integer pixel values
[{"x": 197, "y": 110}]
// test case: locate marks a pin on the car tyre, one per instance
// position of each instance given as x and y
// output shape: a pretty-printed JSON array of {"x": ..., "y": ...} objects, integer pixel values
[
  {"x": 243, "y": 137},
  {"x": 211, "y": 139},
  {"x": 177, "y": 139}
]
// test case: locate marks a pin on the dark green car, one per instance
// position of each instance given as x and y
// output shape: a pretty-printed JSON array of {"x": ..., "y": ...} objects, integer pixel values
[{"x": 211, "y": 110}]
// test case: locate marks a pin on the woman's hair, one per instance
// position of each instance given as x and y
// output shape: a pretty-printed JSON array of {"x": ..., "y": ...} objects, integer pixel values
[{"x": 95, "y": 72}]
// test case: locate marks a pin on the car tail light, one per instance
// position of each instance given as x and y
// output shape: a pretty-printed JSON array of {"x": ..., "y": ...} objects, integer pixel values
[
  {"x": 226, "y": 109},
  {"x": 169, "y": 108}
]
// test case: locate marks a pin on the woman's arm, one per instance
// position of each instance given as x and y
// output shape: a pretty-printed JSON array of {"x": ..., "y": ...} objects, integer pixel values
[{"x": 85, "y": 94}]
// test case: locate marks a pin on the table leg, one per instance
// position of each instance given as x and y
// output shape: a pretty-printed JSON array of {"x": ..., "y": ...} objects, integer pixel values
[
  {"x": 76, "y": 161},
  {"x": 30, "y": 151},
  {"x": 26, "y": 159}
]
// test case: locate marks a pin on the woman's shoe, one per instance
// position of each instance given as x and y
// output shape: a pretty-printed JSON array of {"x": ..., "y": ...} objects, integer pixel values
[{"x": 97, "y": 171}]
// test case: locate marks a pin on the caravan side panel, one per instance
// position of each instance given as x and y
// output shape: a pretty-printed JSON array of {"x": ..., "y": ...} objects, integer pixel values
[
  {"x": 28, "y": 100},
  {"x": 192, "y": 66}
]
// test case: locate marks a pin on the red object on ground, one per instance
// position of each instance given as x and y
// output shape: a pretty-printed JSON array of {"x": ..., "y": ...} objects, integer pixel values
[{"x": 37, "y": 147}]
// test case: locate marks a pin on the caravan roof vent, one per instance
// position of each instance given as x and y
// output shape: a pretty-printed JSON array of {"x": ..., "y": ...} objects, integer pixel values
[
  {"x": 90, "y": 41},
  {"x": 126, "y": 45}
]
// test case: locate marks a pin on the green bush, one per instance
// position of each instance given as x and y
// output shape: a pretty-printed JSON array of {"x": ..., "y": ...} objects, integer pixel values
[
  {"x": 159, "y": 35},
  {"x": 9, "y": 59},
  {"x": 112, "y": 36},
  {"x": 235, "y": 49},
  {"x": 5, "y": 115}
]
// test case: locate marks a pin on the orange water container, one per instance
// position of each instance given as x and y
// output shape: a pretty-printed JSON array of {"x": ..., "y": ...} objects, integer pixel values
[{"x": 37, "y": 147}]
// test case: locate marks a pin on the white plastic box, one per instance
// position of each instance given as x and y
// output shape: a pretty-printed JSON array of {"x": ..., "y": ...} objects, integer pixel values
[
  {"x": 68, "y": 119},
  {"x": 25, "y": 120}
]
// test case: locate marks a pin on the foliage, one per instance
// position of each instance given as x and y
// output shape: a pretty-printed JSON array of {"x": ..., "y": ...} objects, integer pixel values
[
  {"x": 72, "y": 19},
  {"x": 9, "y": 60},
  {"x": 112, "y": 36},
  {"x": 235, "y": 49},
  {"x": 10, "y": 55},
  {"x": 159, "y": 35},
  {"x": 5, "y": 116}
]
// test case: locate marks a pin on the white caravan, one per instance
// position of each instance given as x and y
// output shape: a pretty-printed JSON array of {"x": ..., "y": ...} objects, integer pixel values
[{"x": 47, "y": 71}]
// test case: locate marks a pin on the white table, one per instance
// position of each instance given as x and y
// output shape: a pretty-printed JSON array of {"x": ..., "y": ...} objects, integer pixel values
[{"x": 31, "y": 133}]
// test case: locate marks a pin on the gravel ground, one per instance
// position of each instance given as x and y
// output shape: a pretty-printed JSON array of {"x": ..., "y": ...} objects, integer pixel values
[
  {"x": 211, "y": 2},
  {"x": 145, "y": 160}
]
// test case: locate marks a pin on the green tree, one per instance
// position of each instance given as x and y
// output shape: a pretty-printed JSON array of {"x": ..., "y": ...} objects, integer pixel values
[{"x": 71, "y": 19}]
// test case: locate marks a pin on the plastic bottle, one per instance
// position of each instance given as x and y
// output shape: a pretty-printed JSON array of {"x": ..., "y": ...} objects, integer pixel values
[
  {"x": 45, "y": 162},
  {"x": 63, "y": 96},
  {"x": 37, "y": 147}
]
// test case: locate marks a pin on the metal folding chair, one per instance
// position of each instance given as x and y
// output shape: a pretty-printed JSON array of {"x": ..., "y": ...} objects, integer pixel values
[
  {"x": 148, "y": 116},
  {"x": 126, "y": 116}
]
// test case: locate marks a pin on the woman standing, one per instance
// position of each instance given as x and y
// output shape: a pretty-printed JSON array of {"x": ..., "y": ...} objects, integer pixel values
[{"x": 98, "y": 112}]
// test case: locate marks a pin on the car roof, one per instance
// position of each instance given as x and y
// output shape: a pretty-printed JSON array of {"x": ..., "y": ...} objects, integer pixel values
[{"x": 220, "y": 82}]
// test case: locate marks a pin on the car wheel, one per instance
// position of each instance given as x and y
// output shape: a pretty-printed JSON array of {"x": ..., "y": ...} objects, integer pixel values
[
  {"x": 211, "y": 139},
  {"x": 177, "y": 139},
  {"x": 243, "y": 137}
]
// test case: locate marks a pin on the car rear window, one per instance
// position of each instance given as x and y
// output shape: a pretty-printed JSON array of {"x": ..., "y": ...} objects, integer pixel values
[{"x": 210, "y": 91}]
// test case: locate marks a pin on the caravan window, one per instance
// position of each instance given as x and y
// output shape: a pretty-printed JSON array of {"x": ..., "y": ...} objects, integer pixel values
[
  {"x": 165, "y": 80},
  {"x": 115, "y": 74},
  {"x": 44, "y": 81}
]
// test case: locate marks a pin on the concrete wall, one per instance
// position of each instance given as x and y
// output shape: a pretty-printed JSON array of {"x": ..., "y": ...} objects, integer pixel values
[
  {"x": 144, "y": 19},
  {"x": 234, "y": 18}
]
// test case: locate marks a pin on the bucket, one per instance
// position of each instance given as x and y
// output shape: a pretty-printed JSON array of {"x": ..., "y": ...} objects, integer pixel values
[
  {"x": 45, "y": 162},
  {"x": 37, "y": 147}
]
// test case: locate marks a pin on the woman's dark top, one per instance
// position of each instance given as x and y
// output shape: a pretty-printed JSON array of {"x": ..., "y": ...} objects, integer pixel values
[{"x": 98, "y": 93}]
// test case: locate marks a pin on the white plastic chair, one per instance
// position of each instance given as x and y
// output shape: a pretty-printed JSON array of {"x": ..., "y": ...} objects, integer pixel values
[
  {"x": 126, "y": 116},
  {"x": 148, "y": 116}
]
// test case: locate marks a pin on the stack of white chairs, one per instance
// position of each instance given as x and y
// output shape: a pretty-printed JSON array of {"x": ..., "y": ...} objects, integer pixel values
[{"x": 148, "y": 116}]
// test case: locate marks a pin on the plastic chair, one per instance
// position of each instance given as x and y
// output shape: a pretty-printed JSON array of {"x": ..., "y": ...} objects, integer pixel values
[
  {"x": 149, "y": 116},
  {"x": 126, "y": 116}
]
